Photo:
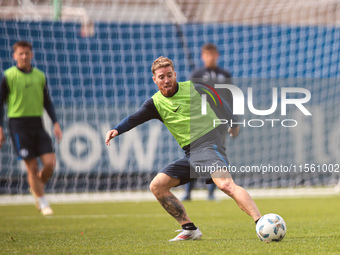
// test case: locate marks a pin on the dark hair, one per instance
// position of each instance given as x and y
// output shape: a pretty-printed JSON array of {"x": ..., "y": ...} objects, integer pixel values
[
  {"x": 209, "y": 47},
  {"x": 21, "y": 44}
]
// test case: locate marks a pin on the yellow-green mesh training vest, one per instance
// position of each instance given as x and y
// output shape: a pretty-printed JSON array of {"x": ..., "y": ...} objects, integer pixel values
[
  {"x": 181, "y": 114},
  {"x": 26, "y": 93}
]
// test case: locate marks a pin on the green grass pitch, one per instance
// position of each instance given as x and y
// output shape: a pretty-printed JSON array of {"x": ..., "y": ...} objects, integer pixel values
[{"x": 144, "y": 228}]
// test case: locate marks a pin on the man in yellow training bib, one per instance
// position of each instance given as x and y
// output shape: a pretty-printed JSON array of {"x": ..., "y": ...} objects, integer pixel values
[
  {"x": 24, "y": 89},
  {"x": 178, "y": 106}
]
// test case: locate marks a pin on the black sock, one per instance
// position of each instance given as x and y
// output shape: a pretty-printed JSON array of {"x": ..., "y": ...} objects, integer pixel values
[
  {"x": 257, "y": 220},
  {"x": 189, "y": 226}
]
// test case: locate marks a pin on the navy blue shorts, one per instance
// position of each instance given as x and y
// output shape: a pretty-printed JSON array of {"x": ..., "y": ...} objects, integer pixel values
[
  {"x": 29, "y": 137},
  {"x": 202, "y": 158}
]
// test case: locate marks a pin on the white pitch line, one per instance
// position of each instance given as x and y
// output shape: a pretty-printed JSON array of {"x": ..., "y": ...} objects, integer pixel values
[
  {"x": 144, "y": 196},
  {"x": 99, "y": 216},
  {"x": 103, "y": 216}
]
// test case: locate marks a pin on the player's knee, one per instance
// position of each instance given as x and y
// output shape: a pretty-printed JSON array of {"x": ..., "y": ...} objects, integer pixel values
[
  {"x": 153, "y": 187},
  {"x": 50, "y": 165},
  {"x": 32, "y": 170},
  {"x": 228, "y": 187},
  {"x": 156, "y": 188}
]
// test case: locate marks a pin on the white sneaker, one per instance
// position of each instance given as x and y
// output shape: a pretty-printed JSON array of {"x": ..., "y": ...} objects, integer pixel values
[
  {"x": 47, "y": 211},
  {"x": 187, "y": 235}
]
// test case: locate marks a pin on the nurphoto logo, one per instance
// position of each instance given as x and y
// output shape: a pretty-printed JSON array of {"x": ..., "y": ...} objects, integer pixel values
[{"x": 239, "y": 105}]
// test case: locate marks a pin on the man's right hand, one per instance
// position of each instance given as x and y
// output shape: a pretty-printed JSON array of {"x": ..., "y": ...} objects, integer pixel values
[
  {"x": 110, "y": 135},
  {"x": 2, "y": 137},
  {"x": 233, "y": 131}
]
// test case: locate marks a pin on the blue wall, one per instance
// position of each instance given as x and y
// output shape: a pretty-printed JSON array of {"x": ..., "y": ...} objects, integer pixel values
[
  {"x": 95, "y": 82},
  {"x": 115, "y": 63}
]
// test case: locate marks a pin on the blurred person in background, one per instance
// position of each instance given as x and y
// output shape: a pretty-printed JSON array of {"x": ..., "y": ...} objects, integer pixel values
[
  {"x": 210, "y": 74},
  {"x": 24, "y": 89}
]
